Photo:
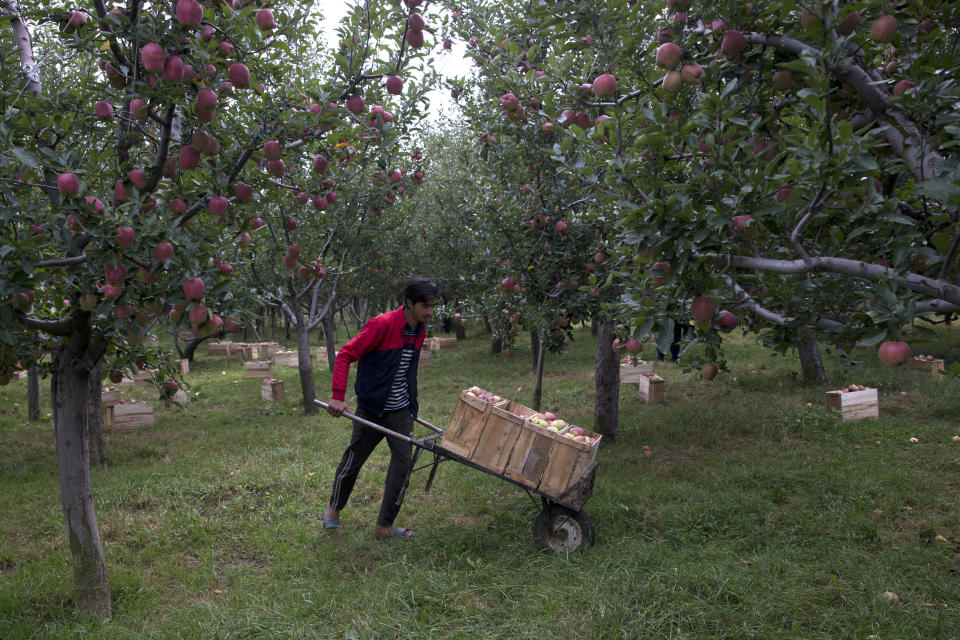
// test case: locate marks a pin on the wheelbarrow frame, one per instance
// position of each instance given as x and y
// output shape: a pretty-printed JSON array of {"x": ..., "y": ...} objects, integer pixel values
[{"x": 573, "y": 499}]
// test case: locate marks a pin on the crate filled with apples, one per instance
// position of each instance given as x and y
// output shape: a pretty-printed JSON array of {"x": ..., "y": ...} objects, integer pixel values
[
  {"x": 468, "y": 420},
  {"x": 533, "y": 445},
  {"x": 575, "y": 449},
  {"x": 632, "y": 369},
  {"x": 502, "y": 429},
  {"x": 854, "y": 402},
  {"x": 651, "y": 388},
  {"x": 928, "y": 363}
]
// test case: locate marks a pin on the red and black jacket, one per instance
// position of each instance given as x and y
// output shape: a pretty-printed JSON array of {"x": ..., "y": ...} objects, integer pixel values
[{"x": 378, "y": 348}]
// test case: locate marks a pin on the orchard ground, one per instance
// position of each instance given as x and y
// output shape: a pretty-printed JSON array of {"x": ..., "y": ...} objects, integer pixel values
[{"x": 756, "y": 513}]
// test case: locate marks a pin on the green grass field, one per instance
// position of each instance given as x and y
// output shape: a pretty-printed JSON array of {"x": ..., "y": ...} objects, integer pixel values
[{"x": 757, "y": 514}]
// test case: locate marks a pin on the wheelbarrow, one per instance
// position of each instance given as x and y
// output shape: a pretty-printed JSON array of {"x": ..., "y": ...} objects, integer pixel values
[{"x": 561, "y": 523}]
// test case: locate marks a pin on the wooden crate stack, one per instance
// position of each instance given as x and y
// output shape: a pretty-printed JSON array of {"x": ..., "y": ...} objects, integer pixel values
[
  {"x": 222, "y": 348},
  {"x": 247, "y": 351},
  {"x": 128, "y": 416},
  {"x": 268, "y": 349},
  {"x": 257, "y": 369},
  {"x": 854, "y": 403},
  {"x": 271, "y": 390},
  {"x": 109, "y": 396}
]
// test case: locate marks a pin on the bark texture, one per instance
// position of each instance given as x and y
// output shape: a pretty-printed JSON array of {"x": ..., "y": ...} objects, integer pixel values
[
  {"x": 98, "y": 448},
  {"x": 810, "y": 362},
  {"x": 69, "y": 391},
  {"x": 33, "y": 395},
  {"x": 606, "y": 405}
]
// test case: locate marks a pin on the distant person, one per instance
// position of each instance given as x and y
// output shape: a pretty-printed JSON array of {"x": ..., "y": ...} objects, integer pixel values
[
  {"x": 387, "y": 350},
  {"x": 680, "y": 329}
]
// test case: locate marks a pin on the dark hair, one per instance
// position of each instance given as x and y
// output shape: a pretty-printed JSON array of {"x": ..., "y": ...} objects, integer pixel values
[{"x": 420, "y": 290}]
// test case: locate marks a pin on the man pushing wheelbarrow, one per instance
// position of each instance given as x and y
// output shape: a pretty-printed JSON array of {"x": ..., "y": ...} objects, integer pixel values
[{"x": 387, "y": 352}]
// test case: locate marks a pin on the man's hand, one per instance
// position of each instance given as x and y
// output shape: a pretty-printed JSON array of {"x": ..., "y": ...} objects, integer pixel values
[{"x": 336, "y": 408}]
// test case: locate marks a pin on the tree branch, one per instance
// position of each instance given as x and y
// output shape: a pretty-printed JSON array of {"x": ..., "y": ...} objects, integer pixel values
[{"x": 937, "y": 289}]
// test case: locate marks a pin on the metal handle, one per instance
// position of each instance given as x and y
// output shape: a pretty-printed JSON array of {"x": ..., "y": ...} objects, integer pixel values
[{"x": 373, "y": 425}]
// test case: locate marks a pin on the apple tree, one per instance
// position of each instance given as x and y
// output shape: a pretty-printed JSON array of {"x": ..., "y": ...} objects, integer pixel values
[
  {"x": 127, "y": 133},
  {"x": 790, "y": 163}
]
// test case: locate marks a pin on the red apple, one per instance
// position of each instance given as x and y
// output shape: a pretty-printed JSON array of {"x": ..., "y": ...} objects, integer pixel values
[
  {"x": 672, "y": 82},
  {"x": 189, "y": 158},
  {"x": 893, "y": 353},
  {"x": 356, "y": 104},
  {"x": 507, "y": 284},
  {"x": 726, "y": 320},
  {"x": 255, "y": 223},
  {"x": 103, "y": 110},
  {"x": 702, "y": 308},
  {"x": 732, "y": 45},
  {"x": 243, "y": 191},
  {"x": 668, "y": 55},
  {"x": 692, "y": 73},
  {"x": 189, "y": 13},
  {"x": 137, "y": 178},
  {"x": 416, "y": 21},
  {"x": 163, "y": 252},
  {"x": 125, "y": 236},
  {"x": 265, "y": 19},
  {"x": 884, "y": 28},
  {"x": 153, "y": 57},
  {"x": 320, "y": 164},
  {"x": 272, "y": 150},
  {"x": 116, "y": 376},
  {"x": 709, "y": 370},
  {"x": 193, "y": 288},
  {"x": 115, "y": 273},
  {"x": 605, "y": 85},
  {"x": 68, "y": 184},
  {"x": 239, "y": 75},
  {"x": 245, "y": 240},
  {"x": 395, "y": 85},
  {"x": 664, "y": 269},
  {"x": 414, "y": 38},
  {"x": 319, "y": 203},
  {"x": 634, "y": 346}
]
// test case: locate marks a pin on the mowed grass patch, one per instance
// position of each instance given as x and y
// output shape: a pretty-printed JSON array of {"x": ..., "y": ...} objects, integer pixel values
[{"x": 755, "y": 514}]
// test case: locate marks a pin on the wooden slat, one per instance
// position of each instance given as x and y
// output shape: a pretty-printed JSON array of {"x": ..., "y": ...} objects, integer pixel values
[
  {"x": 651, "y": 389},
  {"x": 466, "y": 425}
]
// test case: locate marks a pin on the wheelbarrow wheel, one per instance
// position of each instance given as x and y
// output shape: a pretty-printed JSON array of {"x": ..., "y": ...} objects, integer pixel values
[{"x": 561, "y": 529}]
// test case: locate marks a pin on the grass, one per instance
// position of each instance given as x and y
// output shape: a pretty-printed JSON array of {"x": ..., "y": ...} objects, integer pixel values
[{"x": 757, "y": 515}]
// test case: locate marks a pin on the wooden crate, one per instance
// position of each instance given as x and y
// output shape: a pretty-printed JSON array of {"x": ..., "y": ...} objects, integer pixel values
[
  {"x": 466, "y": 424},
  {"x": 320, "y": 354},
  {"x": 184, "y": 366},
  {"x": 128, "y": 416},
  {"x": 185, "y": 335},
  {"x": 651, "y": 388},
  {"x": 19, "y": 375},
  {"x": 248, "y": 351},
  {"x": 530, "y": 454},
  {"x": 223, "y": 348},
  {"x": 272, "y": 391},
  {"x": 568, "y": 459},
  {"x": 934, "y": 366},
  {"x": 286, "y": 359},
  {"x": 854, "y": 405},
  {"x": 446, "y": 344},
  {"x": 257, "y": 369},
  {"x": 632, "y": 373},
  {"x": 144, "y": 378},
  {"x": 109, "y": 396},
  {"x": 500, "y": 432},
  {"x": 426, "y": 358},
  {"x": 268, "y": 349}
]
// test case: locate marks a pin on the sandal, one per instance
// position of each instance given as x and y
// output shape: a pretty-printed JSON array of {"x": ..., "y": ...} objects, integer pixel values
[
  {"x": 330, "y": 523},
  {"x": 400, "y": 532}
]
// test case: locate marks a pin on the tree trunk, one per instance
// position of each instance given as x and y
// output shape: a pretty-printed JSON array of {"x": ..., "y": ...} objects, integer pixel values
[
  {"x": 98, "y": 447},
  {"x": 190, "y": 349},
  {"x": 305, "y": 364},
  {"x": 286, "y": 327},
  {"x": 486, "y": 323},
  {"x": 606, "y": 404},
  {"x": 538, "y": 387},
  {"x": 496, "y": 344},
  {"x": 69, "y": 390},
  {"x": 458, "y": 327},
  {"x": 595, "y": 325},
  {"x": 810, "y": 362},
  {"x": 33, "y": 395},
  {"x": 535, "y": 348},
  {"x": 327, "y": 324}
]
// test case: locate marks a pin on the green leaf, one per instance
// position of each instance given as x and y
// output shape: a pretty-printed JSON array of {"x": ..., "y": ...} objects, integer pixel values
[
  {"x": 942, "y": 190},
  {"x": 877, "y": 336},
  {"x": 25, "y": 157}
]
